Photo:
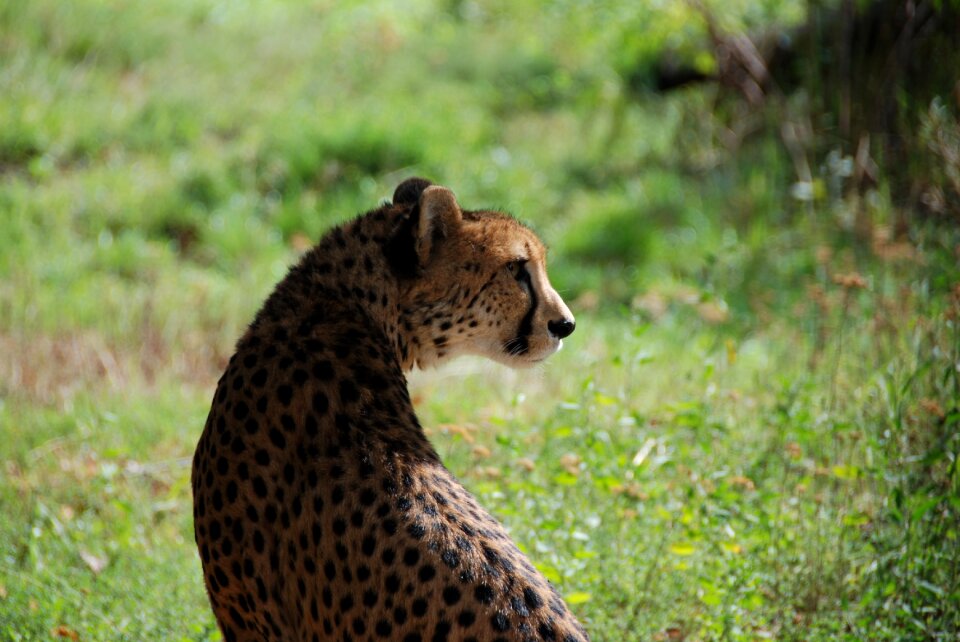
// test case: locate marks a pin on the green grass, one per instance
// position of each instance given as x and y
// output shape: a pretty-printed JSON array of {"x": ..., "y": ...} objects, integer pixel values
[{"x": 739, "y": 442}]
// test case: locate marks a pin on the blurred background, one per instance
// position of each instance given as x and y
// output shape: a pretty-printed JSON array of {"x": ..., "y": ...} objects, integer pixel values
[{"x": 752, "y": 208}]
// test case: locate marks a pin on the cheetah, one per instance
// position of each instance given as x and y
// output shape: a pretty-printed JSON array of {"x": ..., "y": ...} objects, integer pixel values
[{"x": 321, "y": 511}]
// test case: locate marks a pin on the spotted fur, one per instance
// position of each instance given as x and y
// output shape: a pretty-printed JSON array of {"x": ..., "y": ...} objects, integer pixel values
[{"x": 321, "y": 511}]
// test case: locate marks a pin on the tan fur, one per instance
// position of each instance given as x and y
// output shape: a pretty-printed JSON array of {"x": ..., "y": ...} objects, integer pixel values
[{"x": 321, "y": 510}]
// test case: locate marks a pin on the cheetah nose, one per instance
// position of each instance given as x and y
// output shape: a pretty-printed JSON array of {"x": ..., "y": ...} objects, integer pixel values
[{"x": 561, "y": 329}]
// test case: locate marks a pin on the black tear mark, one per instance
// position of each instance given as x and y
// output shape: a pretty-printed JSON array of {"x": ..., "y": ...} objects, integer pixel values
[{"x": 520, "y": 344}]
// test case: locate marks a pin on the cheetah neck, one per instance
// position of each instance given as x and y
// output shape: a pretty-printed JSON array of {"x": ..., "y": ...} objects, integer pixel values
[{"x": 347, "y": 276}]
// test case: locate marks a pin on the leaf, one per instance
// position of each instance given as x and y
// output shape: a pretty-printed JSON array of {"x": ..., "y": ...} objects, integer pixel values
[
  {"x": 604, "y": 400},
  {"x": 846, "y": 472},
  {"x": 644, "y": 451},
  {"x": 578, "y": 597},
  {"x": 62, "y": 631},
  {"x": 932, "y": 588},
  {"x": 924, "y": 508},
  {"x": 683, "y": 549},
  {"x": 95, "y": 563}
]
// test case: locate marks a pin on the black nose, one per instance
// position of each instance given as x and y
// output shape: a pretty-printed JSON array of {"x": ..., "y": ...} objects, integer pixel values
[{"x": 562, "y": 328}]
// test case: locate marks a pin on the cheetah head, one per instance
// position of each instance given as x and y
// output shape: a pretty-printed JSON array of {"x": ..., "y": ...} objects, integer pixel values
[{"x": 475, "y": 282}]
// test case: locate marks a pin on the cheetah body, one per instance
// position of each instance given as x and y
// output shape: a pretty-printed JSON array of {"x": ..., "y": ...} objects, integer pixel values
[{"x": 321, "y": 510}]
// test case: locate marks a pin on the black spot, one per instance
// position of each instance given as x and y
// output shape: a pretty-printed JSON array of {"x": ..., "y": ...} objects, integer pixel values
[
  {"x": 519, "y": 607},
  {"x": 285, "y": 394},
  {"x": 310, "y": 426},
  {"x": 320, "y": 403},
  {"x": 240, "y": 411},
  {"x": 442, "y": 632},
  {"x": 483, "y": 594},
  {"x": 500, "y": 622},
  {"x": 390, "y": 526},
  {"x": 466, "y": 618},
  {"x": 416, "y": 530},
  {"x": 277, "y": 438},
  {"x": 348, "y": 392},
  {"x": 262, "y": 457},
  {"x": 547, "y": 632},
  {"x": 383, "y": 629},
  {"x": 367, "y": 497},
  {"x": 232, "y": 491},
  {"x": 532, "y": 598},
  {"x": 259, "y": 378},
  {"x": 359, "y": 627},
  {"x": 238, "y": 530},
  {"x": 392, "y": 583},
  {"x": 339, "y": 526},
  {"x": 238, "y": 619},
  {"x": 419, "y": 607},
  {"x": 368, "y": 545},
  {"x": 451, "y": 595},
  {"x": 399, "y": 615},
  {"x": 426, "y": 573},
  {"x": 323, "y": 370},
  {"x": 450, "y": 558},
  {"x": 411, "y": 556},
  {"x": 388, "y": 555},
  {"x": 259, "y": 487}
]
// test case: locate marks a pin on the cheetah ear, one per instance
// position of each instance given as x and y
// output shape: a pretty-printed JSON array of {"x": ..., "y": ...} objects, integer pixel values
[
  {"x": 440, "y": 217},
  {"x": 408, "y": 192}
]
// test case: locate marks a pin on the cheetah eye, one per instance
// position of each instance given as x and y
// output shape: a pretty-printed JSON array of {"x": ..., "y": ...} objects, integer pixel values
[{"x": 517, "y": 268}]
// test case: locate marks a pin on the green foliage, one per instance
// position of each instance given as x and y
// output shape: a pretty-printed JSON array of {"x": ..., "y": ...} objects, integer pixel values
[{"x": 752, "y": 434}]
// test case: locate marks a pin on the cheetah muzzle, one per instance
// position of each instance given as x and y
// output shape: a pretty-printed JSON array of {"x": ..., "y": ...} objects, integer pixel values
[{"x": 321, "y": 511}]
